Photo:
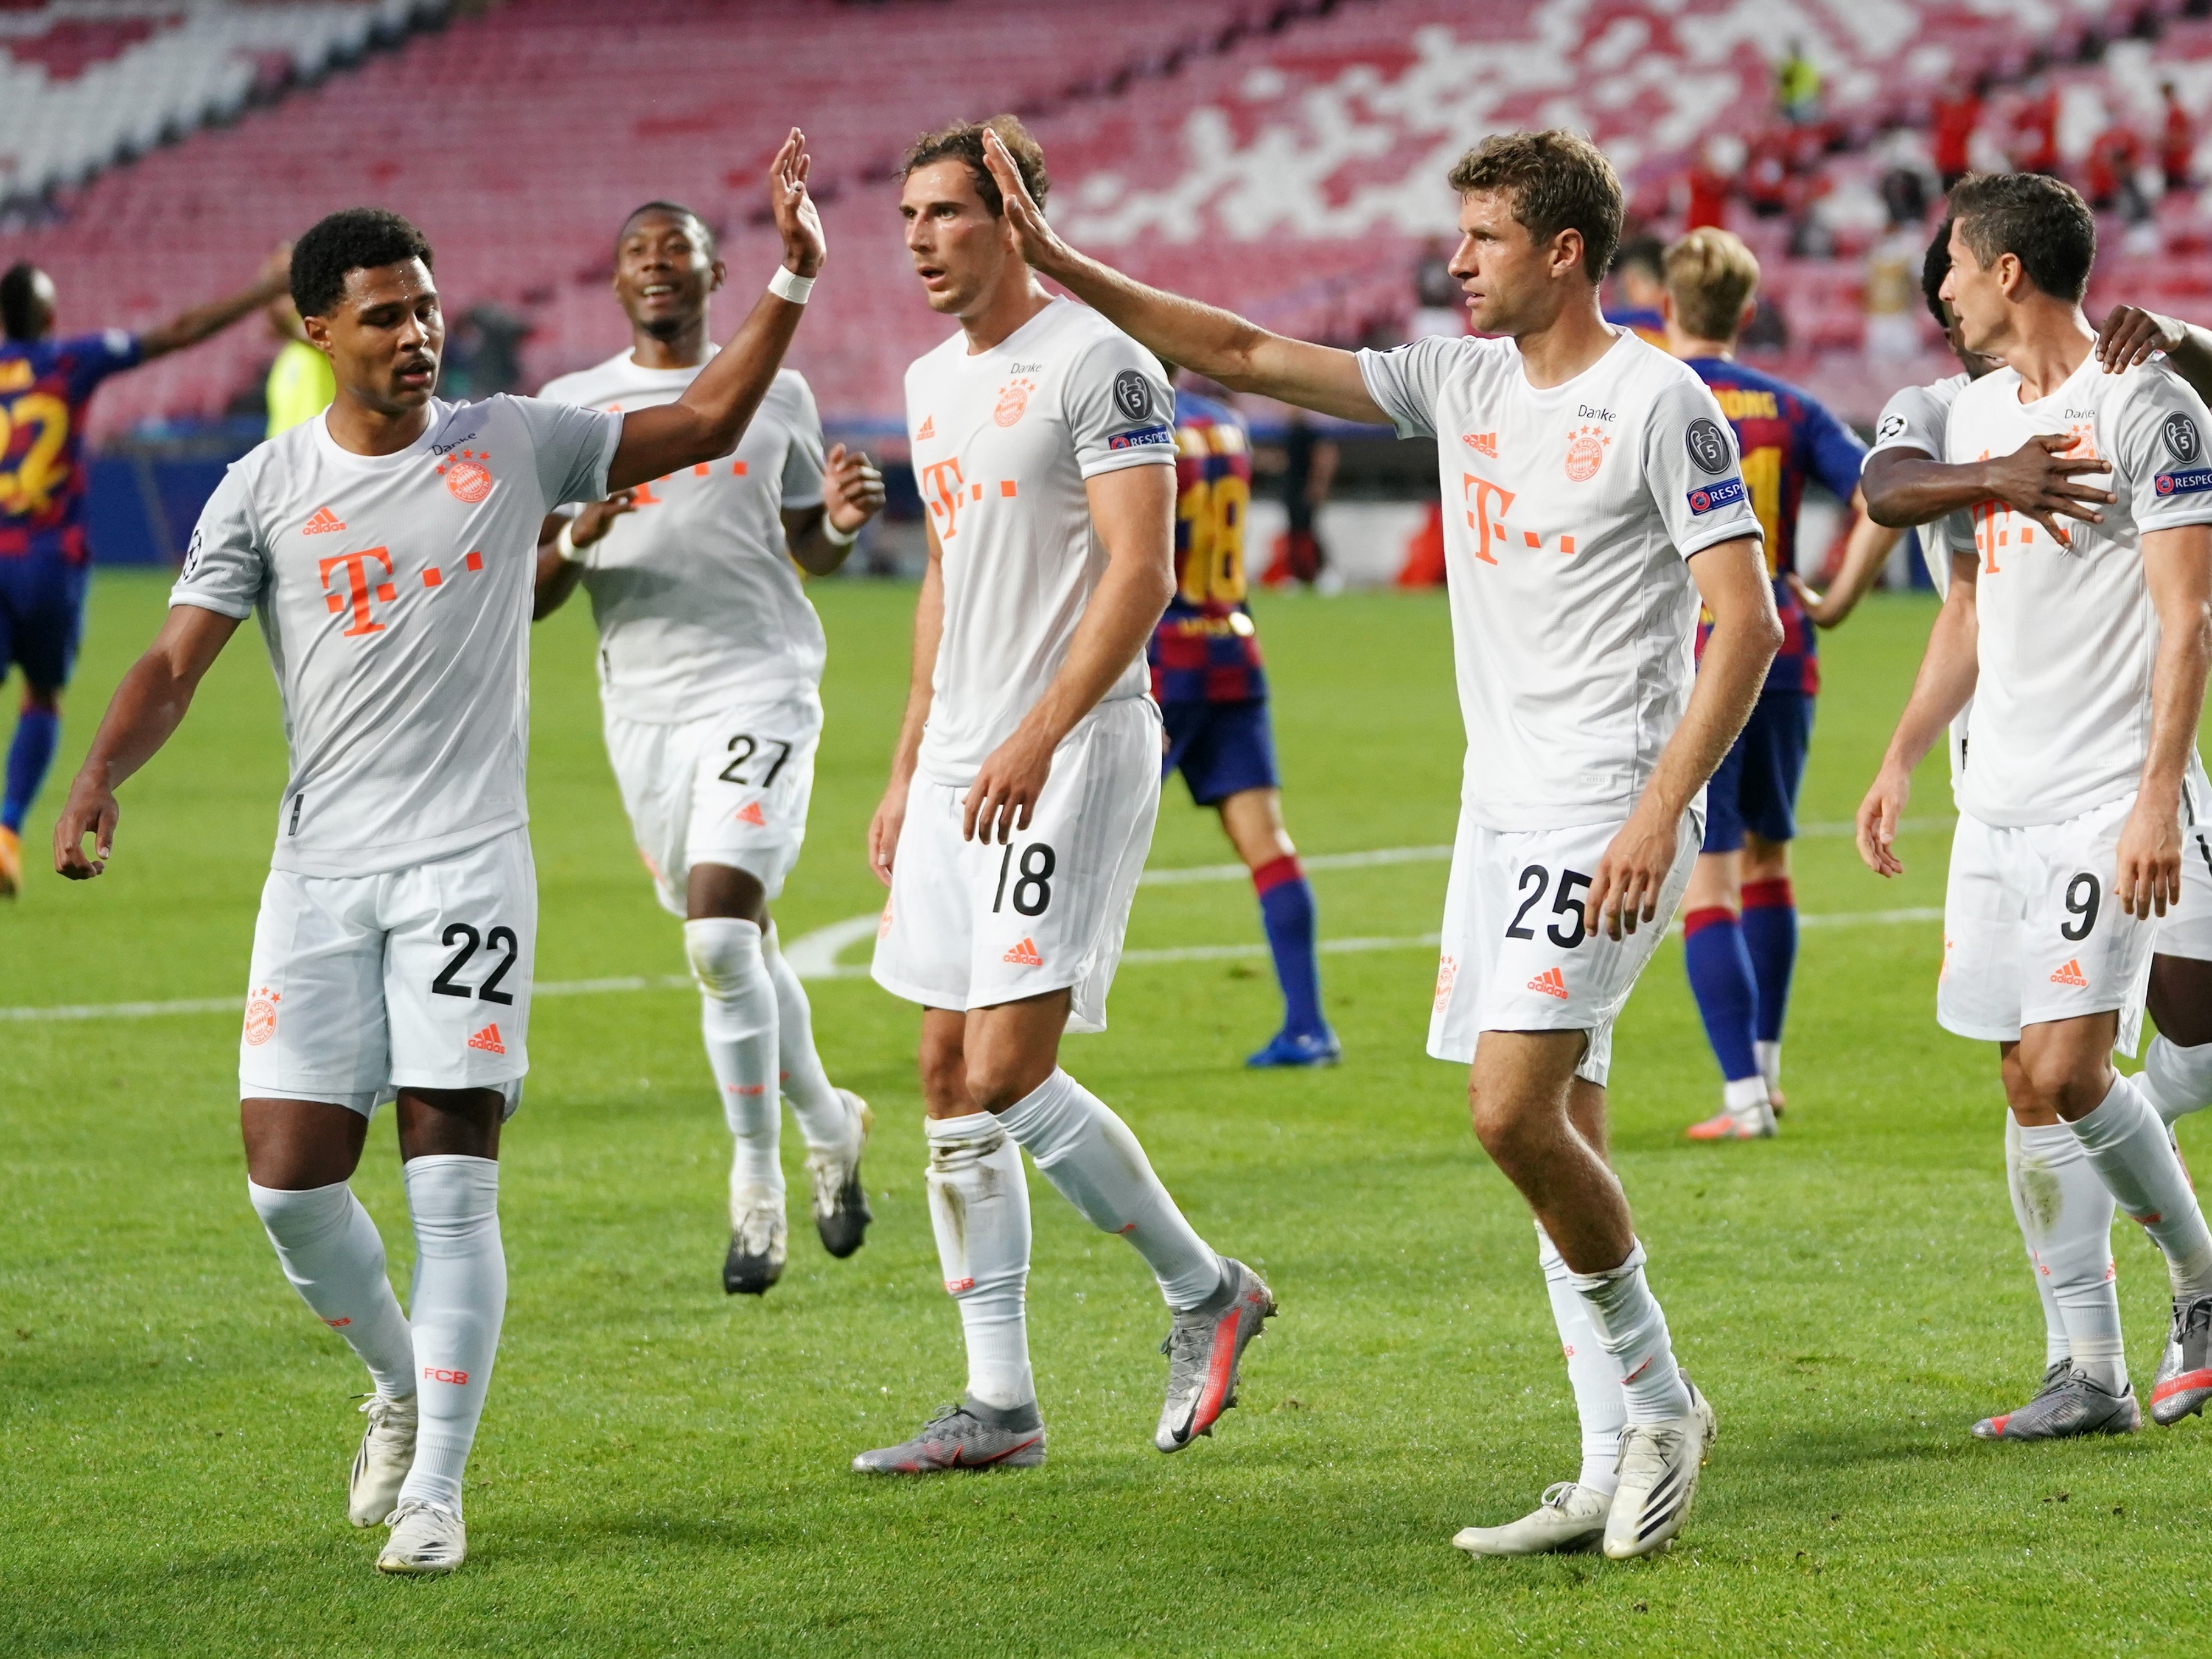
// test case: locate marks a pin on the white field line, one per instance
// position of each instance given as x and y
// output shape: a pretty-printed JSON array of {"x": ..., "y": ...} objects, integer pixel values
[{"x": 815, "y": 956}]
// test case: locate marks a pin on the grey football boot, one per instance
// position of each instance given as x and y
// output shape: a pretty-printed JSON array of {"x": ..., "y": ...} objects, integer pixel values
[
  {"x": 1569, "y": 1522},
  {"x": 2184, "y": 1370},
  {"x": 2068, "y": 1404},
  {"x": 1203, "y": 1347},
  {"x": 1659, "y": 1464},
  {"x": 841, "y": 1202},
  {"x": 968, "y": 1436}
]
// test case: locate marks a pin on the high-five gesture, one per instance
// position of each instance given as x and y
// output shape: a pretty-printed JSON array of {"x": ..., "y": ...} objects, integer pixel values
[
  {"x": 1033, "y": 233},
  {"x": 797, "y": 221}
]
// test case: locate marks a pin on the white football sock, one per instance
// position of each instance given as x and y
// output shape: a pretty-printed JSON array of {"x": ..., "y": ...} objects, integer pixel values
[
  {"x": 2033, "y": 1191},
  {"x": 459, "y": 1300},
  {"x": 738, "y": 1017},
  {"x": 2127, "y": 1142},
  {"x": 1632, "y": 1329},
  {"x": 1769, "y": 1055},
  {"x": 1590, "y": 1371},
  {"x": 826, "y": 1123},
  {"x": 2069, "y": 1227},
  {"x": 334, "y": 1256},
  {"x": 1093, "y": 1159},
  {"x": 2177, "y": 1081},
  {"x": 979, "y": 1208}
]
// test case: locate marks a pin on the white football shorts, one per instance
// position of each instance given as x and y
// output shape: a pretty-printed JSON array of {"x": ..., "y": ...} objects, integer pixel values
[
  {"x": 732, "y": 789},
  {"x": 2032, "y": 933},
  {"x": 1515, "y": 956},
  {"x": 419, "y": 978},
  {"x": 2188, "y": 931},
  {"x": 971, "y": 925}
]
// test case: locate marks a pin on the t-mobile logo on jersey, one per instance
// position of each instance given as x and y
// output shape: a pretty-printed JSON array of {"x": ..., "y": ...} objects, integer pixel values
[
  {"x": 1487, "y": 505},
  {"x": 942, "y": 487},
  {"x": 358, "y": 590}
]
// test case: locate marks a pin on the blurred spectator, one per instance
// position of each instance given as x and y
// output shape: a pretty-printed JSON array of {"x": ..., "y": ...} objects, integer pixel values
[
  {"x": 2108, "y": 173},
  {"x": 1768, "y": 329},
  {"x": 1907, "y": 180},
  {"x": 1957, "y": 115},
  {"x": 1711, "y": 180},
  {"x": 484, "y": 354},
  {"x": 1439, "y": 306},
  {"x": 2177, "y": 142},
  {"x": 1797, "y": 90},
  {"x": 1766, "y": 174},
  {"x": 1307, "y": 465},
  {"x": 2035, "y": 129},
  {"x": 1638, "y": 280},
  {"x": 300, "y": 385},
  {"x": 1893, "y": 297}
]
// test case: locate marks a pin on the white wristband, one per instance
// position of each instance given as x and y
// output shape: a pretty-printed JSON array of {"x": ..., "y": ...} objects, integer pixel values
[
  {"x": 788, "y": 284},
  {"x": 565, "y": 545},
  {"x": 836, "y": 536}
]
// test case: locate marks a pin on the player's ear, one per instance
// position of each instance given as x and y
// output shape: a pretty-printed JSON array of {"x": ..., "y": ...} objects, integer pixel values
[
  {"x": 1750, "y": 310},
  {"x": 717, "y": 273},
  {"x": 317, "y": 331}
]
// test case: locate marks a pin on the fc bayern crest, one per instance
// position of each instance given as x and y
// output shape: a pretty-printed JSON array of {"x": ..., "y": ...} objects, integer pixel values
[
  {"x": 2183, "y": 441},
  {"x": 467, "y": 476},
  {"x": 1708, "y": 447},
  {"x": 1131, "y": 395}
]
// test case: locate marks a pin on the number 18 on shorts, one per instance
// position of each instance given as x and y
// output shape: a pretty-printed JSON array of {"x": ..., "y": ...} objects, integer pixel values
[
  {"x": 414, "y": 978},
  {"x": 1516, "y": 955}
]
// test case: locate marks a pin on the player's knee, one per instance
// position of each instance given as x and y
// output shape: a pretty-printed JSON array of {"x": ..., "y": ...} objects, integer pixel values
[
  {"x": 996, "y": 1081},
  {"x": 944, "y": 1078},
  {"x": 42, "y": 700},
  {"x": 1502, "y": 1124},
  {"x": 2067, "y": 1083},
  {"x": 725, "y": 957}
]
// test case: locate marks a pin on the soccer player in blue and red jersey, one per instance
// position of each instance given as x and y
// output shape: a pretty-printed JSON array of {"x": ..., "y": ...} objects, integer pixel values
[
  {"x": 1738, "y": 916},
  {"x": 1213, "y": 691},
  {"x": 45, "y": 385}
]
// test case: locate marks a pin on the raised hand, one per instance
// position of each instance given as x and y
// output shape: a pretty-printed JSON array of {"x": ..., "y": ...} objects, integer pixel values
[
  {"x": 1040, "y": 246},
  {"x": 852, "y": 489},
  {"x": 804, "y": 247}
]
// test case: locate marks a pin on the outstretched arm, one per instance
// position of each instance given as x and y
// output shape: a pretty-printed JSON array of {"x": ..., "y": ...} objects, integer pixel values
[
  {"x": 1948, "y": 670},
  {"x": 191, "y": 327},
  {"x": 1219, "y": 345},
  {"x": 1906, "y": 487},
  {"x": 147, "y": 707},
  {"x": 1864, "y": 554},
  {"x": 706, "y": 422},
  {"x": 1731, "y": 579}
]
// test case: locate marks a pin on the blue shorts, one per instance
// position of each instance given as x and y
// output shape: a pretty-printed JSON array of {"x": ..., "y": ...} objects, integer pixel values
[
  {"x": 1221, "y": 748},
  {"x": 41, "y": 616},
  {"x": 1756, "y": 787}
]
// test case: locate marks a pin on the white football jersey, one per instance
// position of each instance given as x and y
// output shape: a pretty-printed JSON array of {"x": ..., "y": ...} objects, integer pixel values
[
  {"x": 394, "y": 593},
  {"x": 2068, "y": 635},
  {"x": 1570, "y": 515},
  {"x": 1916, "y": 418},
  {"x": 698, "y": 603},
  {"x": 1003, "y": 441}
]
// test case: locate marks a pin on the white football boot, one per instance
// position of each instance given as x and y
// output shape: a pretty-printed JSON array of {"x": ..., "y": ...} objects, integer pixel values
[
  {"x": 759, "y": 1241},
  {"x": 426, "y": 1538},
  {"x": 387, "y": 1452},
  {"x": 841, "y": 1202},
  {"x": 1659, "y": 1465},
  {"x": 1570, "y": 1520}
]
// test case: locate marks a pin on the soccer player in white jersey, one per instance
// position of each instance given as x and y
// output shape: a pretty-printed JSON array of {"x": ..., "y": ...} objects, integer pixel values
[
  {"x": 1023, "y": 795},
  {"x": 389, "y": 549},
  {"x": 710, "y": 670},
  {"x": 2084, "y": 646},
  {"x": 1593, "y": 495}
]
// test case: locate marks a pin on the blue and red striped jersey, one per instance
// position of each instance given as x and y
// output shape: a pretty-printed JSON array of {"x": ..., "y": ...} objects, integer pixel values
[
  {"x": 45, "y": 385},
  {"x": 1205, "y": 648},
  {"x": 1786, "y": 437}
]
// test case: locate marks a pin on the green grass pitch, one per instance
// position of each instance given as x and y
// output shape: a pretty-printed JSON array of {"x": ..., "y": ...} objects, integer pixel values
[{"x": 663, "y": 1469}]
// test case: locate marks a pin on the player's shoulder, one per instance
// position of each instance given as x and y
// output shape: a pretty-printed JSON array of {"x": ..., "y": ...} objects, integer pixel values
[
  {"x": 1645, "y": 379},
  {"x": 585, "y": 386},
  {"x": 939, "y": 359},
  {"x": 1986, "y": 396}
]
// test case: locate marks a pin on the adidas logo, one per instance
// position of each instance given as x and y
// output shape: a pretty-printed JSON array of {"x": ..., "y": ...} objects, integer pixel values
[
  {"x": 1552, "y": 982},
  {"x": 322, "y": 523},
  {"x": 2071, "y": 973},
  {"x": 884, "y": 926},
  {"x": 928, "y": 427},
  {"x": 1482, "y": 443},
  {"x": 750, "y": 813},
  {"x": 1025, "y": 955},
  {"x": 488, "y": 1040}
]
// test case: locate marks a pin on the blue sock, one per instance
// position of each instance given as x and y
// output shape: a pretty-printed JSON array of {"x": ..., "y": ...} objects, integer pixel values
[
  {"x": 1286, "y": 909},
  {"x": 1721, "y": 980},
  {"x": 37, "y": 731},
  {"x": 1769, "y": 934}
]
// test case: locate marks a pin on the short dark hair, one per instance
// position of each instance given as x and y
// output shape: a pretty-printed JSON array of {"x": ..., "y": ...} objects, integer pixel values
[
  {"x": 964, "y": 142},
  {"x": 2042, "y": 222},
  {"x": 1935, "y": 267},
  {"x": 355, "y": 239},
  {"x": 1645, "y": 254},
  {"x": 1560, "y": 182},
  {"x": 675, "y": 211},
  {"x": 19, "y": 300}
]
